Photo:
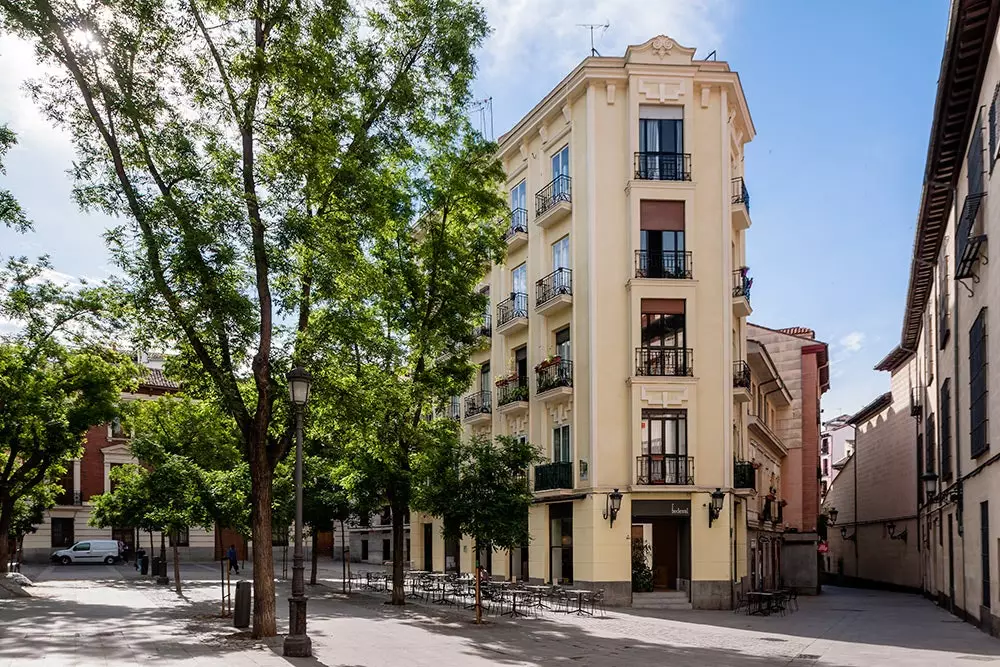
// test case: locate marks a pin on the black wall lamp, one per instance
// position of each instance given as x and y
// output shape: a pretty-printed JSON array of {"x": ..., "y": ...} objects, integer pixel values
[
  {"x": 891, "y": 529},
  {"x": 832, "y": 516},
  {"x": 845, "y": 536},
  {"x": 715, "y": 507},
  {"x": 612, "y": 504}
]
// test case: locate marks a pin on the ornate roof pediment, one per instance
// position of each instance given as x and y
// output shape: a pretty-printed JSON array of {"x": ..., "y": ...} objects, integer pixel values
[{"x": 660, "y": 50}]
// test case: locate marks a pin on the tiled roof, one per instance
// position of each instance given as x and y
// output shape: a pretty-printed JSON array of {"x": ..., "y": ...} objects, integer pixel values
[
  {"x": 155, "y": 379},
  {"x": 805, "y": 332}
]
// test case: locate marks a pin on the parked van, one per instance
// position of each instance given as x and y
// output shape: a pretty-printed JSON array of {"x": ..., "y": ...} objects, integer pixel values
[{"x": 91, "y": 551}]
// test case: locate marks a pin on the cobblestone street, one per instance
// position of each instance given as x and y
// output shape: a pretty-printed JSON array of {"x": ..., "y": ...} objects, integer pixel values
[{"x": 109, "y": 616}]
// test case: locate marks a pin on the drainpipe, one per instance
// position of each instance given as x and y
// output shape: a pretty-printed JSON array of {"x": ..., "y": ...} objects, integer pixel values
[{"x": 857, "y": 515}]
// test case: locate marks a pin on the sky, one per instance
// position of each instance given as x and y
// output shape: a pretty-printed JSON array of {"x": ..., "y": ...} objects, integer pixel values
[{"x": 841, "y": 95}]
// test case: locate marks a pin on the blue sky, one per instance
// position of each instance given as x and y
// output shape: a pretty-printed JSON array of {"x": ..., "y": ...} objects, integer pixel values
[{"x": 841, "y": 95}]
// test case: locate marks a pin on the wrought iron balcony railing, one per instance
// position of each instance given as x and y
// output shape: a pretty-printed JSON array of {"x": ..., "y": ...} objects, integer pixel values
[
  {"x": 518, "y": 223},
  {"x": 740, "y": 193},
  {"x": 659, "y": 361},
  {"x": 70, "y": 498},
  {"x": 664, "y": 469},
  {"x": 741, "y": 375},
  {"x": 744, "y": 476},
  {"x": 558, "y": 282},
  {"x": 968, "y": 243},
  {"x": 742, "y": 282},
  {"x": 485, "y": 329},
  {"x": 558, "y": 475},
  {"x": 512, "y": 308},
  {"x": 455, "y": 408},
  {"x": 512, "y": 392},
  {"x": 916, "y": 404},
  {"x": 663, "y": 264},
  {"x": 651, "y": 166},
  {"x": 557, "y": 373},
  {"x": 559, "y": 189},
  {"x": 479, "y": 403}
]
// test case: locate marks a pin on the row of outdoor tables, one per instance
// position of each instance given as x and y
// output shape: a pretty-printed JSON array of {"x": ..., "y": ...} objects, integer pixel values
[{"x": 764, "y": 603}]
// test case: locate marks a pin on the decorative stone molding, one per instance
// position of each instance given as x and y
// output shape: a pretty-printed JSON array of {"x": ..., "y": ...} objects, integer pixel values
[
  {"x": 662, "y": 45},
  {"x": 524, "y": 151},
  {"x": 660, "y": 90},
  {"x": 543, "y": 132},
  {"x": 561, "y": 412},
  {"x": 668, "y": 397},
  {"x": 517, "y": 425},
  {"x": 706, "y": 92},
  {"x": 567, "y": 115},
  {"x": 611, "y": 93}
]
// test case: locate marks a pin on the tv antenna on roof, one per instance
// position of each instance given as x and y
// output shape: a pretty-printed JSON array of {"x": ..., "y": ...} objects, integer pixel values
[
  {"x": 593, "y": 26},
  {"x": 484, "y": 109}
]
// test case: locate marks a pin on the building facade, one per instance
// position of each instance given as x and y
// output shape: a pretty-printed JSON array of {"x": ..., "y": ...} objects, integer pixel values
[
  {"x": 836, "y": 446},
  {"x": 617, "y": 332},
  {"x": 106, "y": 446},
  {"x": 875, "y": 540},
  {"x": 950, "y": 322}
]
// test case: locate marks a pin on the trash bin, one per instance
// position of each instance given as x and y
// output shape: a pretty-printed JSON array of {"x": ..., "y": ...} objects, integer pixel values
[{"x": 241, "y": 608}]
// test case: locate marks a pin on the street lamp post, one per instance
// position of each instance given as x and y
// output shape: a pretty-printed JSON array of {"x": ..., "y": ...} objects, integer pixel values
[{"x": 297, "y": 642}]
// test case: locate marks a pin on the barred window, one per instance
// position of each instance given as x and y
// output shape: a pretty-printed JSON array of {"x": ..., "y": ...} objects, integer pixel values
[
  {"x": 945, "y": 439},
  {"x": 978, "y": 386}
]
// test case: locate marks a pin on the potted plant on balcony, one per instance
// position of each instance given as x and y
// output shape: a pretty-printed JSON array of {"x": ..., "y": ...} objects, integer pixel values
[
  {"x": 551, "y": 360},
  {"x": 771, "y": 494},
  {"x": 510, "y": 378}
]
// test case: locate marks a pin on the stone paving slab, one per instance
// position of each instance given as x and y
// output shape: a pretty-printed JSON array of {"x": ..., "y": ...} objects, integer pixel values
[{"x": 97, "y": 615}]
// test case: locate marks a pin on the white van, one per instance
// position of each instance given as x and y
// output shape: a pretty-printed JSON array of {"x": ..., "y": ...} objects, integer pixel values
[{"x": 91, "y": 551}]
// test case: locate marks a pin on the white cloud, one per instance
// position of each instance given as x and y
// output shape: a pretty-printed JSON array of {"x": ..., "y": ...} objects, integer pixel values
[
  {"x": 532, "y": 34},
  {"x": 853, "y": 342}
]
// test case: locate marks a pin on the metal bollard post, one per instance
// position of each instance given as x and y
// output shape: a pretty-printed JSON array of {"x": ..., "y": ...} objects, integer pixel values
[{"x": 241, "y": 610}]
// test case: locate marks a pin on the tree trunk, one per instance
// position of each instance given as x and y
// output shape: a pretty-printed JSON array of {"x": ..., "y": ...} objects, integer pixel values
[
  {"x": 315, "y": 556},
  {"x": 479, "y": 600},
  {"x": 6, "y": 513},
  {"x": 261, "y": 474},
  {"x": 398, "y": 591},
  {"x": 343, "y": 558},
  {"x": 177, "y": 568}
]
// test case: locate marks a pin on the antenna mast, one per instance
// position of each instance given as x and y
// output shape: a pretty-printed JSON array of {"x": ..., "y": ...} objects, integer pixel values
[{"x": 593, "y": 26}]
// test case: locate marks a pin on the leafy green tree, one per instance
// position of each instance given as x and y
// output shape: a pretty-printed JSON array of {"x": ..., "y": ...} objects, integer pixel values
[
  {"x": 245, "y": 145},
  {"x": 479, "y": 489},
  {"x": 401, "y": 324},
  {"x": 324, "y": 502},
  {"x": 50, "y": 393},
  {"x": 11, "y": 213}
]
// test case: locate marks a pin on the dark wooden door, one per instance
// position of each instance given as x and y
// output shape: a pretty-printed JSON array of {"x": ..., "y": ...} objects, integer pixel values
[
  {"x": 665, "y": 554},
  {"x": 324, "y": 542}
]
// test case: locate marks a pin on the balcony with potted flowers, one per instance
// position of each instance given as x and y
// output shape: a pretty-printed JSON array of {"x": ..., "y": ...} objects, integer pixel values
[
  {"x": 740, "y": 204},
  {"x": 512, "y": 395},
  {"x": 554, "y": 378}
]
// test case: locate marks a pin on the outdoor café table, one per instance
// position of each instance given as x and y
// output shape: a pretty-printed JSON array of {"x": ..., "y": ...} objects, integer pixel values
[
  {"x": 441, "y": 587},
  {"x": 514, "y": 595},
  {"x": 539, "y": 591},
  {"x": 760, "y": 602},
  {"x": 579, "y": 593}
]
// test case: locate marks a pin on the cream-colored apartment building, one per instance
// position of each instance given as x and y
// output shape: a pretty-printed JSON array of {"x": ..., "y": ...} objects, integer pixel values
[
  {"x": 618, "y": 333},
  {"x": 950, "y": 326}
]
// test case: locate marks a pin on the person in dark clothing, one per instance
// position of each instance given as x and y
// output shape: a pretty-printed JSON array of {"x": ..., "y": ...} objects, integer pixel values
[{"x": 233, "y": 559}]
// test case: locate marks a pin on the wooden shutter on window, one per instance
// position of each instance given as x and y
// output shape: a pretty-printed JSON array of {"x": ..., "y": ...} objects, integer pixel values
[{"x": 656, "y": 215}]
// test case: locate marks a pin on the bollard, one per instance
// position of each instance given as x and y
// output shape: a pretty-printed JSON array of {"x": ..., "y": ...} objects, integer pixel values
[{"x": 241, "y": 610}]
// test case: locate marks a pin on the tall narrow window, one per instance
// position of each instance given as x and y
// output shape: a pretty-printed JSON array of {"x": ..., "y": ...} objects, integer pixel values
[
  {"x": 929, "y": 446},
  {"x": 664, "y": 338},
  {"x": 561, "y": 543},
  {"x": 661, "y": 240},
  {"x": 519, "y": 280},
  {"x": 519, "y": 197},
  {"x": 562, "y": 450},
  {"x": 945, "y": 425},
  {"x": 664, "y": 448},
  {"x": 978, "y": 386},
  {"x": 484, "y": 377},
  {"x": 560, "y": 253},
  {"x": 974, "y": 159},
  {"x": 521, "y": 363},
  {"x": 663, "y": 134},
  {"x": 563, "y": 344},
  {"x": 560, "y": 174}
]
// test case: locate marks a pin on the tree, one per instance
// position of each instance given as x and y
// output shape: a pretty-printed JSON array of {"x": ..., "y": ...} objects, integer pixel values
[
  {"x": 324, "y": 502},
  {"x": 480, "y": 489},
  {"x": 50, "y": 393},
  {"x": 233, "y": 140},
  {"x": 11, "y": 213},
  {"x": 402, "y": 323}
]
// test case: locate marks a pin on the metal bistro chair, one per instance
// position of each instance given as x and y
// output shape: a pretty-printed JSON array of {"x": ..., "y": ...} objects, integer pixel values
[{"x": 597, "y": 602}]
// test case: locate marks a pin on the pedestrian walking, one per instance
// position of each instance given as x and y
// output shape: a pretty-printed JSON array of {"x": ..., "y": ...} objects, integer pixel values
[{"x": 233, "y": 559}]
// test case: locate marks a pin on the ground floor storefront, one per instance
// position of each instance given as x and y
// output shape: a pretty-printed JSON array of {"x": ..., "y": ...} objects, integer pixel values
[{"x": 576, "y": 540}]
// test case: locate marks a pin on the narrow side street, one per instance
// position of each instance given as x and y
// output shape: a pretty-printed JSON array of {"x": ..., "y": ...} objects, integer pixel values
[{"x": 95, "y": 615}]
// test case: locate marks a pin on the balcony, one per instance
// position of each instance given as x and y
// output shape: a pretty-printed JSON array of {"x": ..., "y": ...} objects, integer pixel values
[
  {"x": 479, "y": 407},
  {"x": 916, "y": 404},
  {"x": 741, "y": 381},
  {"x": 967, "y": 242},
  {"x": 742, "y": 282},
  {"x": 512, "y": 396},
  {"x": 517, "y": 229},
  {"x": 512, "y": 314},
  {"x": 554, "y": 292},
  {"x": 554, "y": 379},
  {"x": 68, "y": 498},
  {"x": 554, "y": 476},
  {"x": 485, "y": 328},
  {"x": 664, "y": 361},
  {"x": 664, "y": 469},
  {"x": 455, "y": 409},
  {"x": 554, "y": 201},
  {"x": 663, "y": 166},
  {"x": 670, "y": 264},
  {"x": 744, "y": 476},
  {"x": 741, "y": 204}
]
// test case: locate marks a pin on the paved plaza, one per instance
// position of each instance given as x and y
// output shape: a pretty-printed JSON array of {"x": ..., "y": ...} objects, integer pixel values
[{"x": 97, "y": 615}]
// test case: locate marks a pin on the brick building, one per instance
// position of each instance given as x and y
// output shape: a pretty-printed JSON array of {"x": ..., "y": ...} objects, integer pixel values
[{"x": 105, "y": 447}]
